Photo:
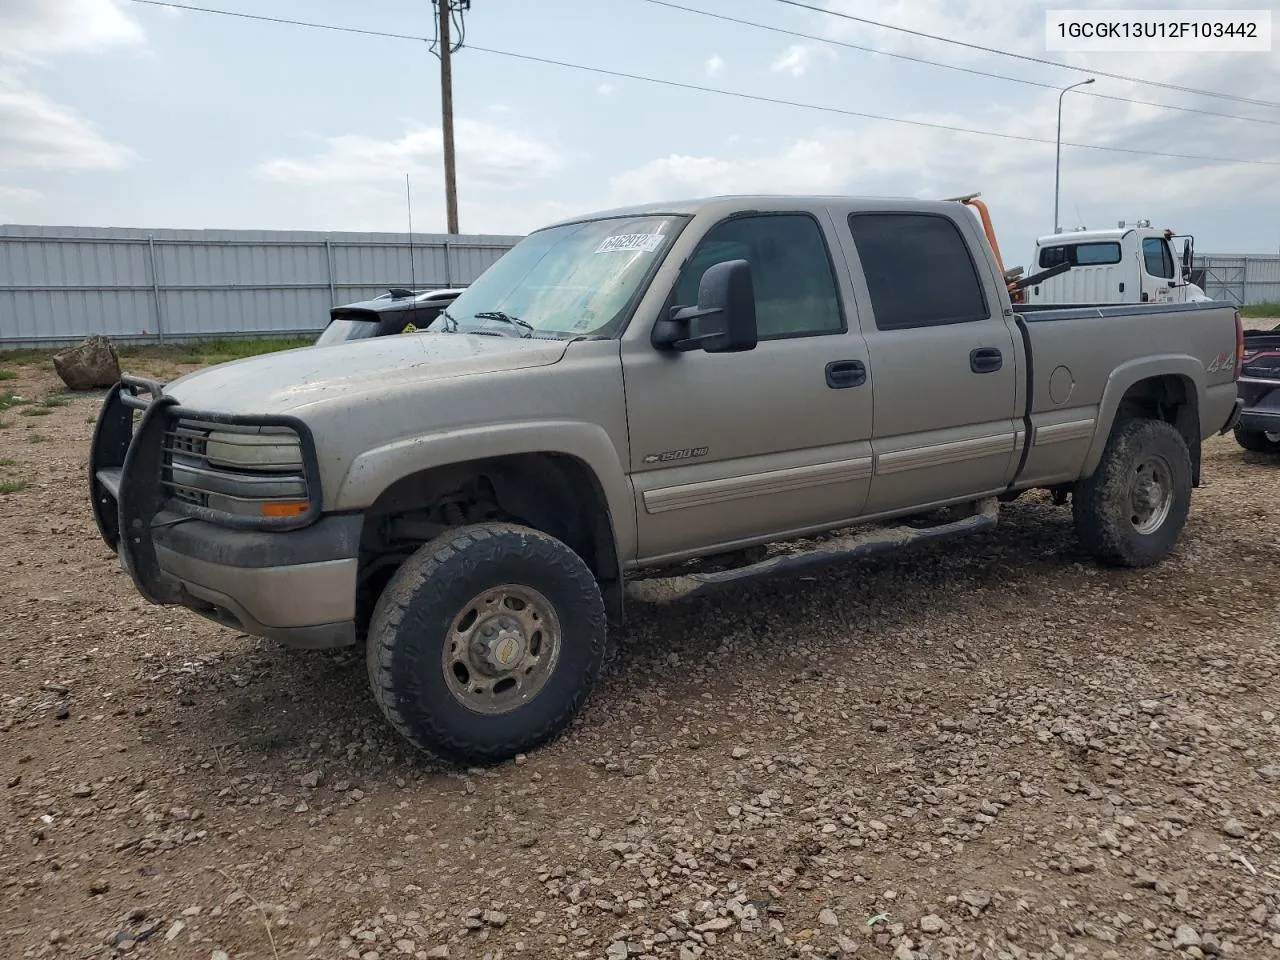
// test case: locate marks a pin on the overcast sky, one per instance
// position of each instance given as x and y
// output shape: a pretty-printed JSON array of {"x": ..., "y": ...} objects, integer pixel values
[{"x": 113, "y": 113}]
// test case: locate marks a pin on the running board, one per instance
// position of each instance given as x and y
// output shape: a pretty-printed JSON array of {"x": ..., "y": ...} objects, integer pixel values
[{"x": 848, "y": 547}]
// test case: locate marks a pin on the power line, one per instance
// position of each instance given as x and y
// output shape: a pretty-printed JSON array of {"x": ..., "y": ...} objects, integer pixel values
[
  {"x": 701, "y": 88},
  {"x": 858, "y": 113},
  {"x": 281, "y": 20},
  {"x": 948, "y": 66},
  {"x": 1022, "y": 56}
]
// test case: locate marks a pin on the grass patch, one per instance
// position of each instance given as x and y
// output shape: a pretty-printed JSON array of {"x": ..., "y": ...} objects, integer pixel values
[
  {"x": 8, "y": 375},
  {"x": 203, "y": 352},
  {"x": 8, "y": 399},
  {"x": 12, "y": 486},
  {"x": 37, "y": 438},
  {"x": 1255, "y": 310},
  {"x": 34, "y": 412},
  {"x": 6, "y": 462},
  {"x": 54, "y": 400}
]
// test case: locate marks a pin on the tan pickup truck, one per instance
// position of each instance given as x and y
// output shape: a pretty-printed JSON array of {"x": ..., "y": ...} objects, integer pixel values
[{"x": 657, "y": 401}]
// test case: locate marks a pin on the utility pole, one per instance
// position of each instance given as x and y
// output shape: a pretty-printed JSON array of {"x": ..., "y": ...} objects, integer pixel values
[
  {"x": 446, "y": 114},
  {"x": 1057, "y": 163}
]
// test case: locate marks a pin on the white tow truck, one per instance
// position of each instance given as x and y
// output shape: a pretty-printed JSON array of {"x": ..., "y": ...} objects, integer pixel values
[{"x": 1133, "y": 263}]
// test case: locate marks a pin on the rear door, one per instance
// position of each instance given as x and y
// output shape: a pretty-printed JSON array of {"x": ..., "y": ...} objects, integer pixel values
[{"x": 944, "y": 365}]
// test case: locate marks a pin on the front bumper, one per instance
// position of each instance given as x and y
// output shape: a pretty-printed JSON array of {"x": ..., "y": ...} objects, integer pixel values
[{"x": 295, "y": 584}]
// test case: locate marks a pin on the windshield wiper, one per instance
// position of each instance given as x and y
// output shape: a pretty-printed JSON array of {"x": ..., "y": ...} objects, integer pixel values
[{"x": 506, "y": 318}]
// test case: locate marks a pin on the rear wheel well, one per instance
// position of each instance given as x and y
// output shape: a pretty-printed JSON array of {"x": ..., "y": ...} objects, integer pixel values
[
  {"x": 1171, "y": 398},
  {"x": 555, "y": 493}
]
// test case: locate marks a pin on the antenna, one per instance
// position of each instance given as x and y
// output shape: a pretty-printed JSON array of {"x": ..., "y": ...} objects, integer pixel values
[{"x": 408, "y": 202}]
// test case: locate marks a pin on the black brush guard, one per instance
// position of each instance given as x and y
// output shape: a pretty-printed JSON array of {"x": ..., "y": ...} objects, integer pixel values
[{"x": 126, "y": 471}]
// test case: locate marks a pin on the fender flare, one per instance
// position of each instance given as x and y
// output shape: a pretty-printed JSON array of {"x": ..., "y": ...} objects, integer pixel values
[
  {"x": 378, "y": 469},
  {"x": 1123, "y": 378}
]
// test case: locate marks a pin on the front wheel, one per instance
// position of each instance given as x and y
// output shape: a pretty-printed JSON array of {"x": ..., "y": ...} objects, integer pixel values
[
  {"x": 1258, "y": 441},
  {"x": 486, "y": 642},
  {"x": 1130, "y": 512}
]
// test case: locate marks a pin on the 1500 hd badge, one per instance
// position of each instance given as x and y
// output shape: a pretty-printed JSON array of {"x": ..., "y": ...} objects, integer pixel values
[{"x": 688, "y": 453}]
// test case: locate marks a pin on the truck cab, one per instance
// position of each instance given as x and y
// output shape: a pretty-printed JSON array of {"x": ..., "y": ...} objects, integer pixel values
[{"x": 1134, "y": 263}]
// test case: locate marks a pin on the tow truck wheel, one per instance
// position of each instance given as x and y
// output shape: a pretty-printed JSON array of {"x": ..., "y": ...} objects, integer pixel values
[
  {"x": 1130, "y": 512},
  {"x": 486, "y": 642},
  {"x": 1258, "y": 441}
]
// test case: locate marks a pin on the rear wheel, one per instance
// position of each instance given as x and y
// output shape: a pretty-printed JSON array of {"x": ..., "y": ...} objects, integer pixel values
[
  {"x": 486, "y": 642},
  {"x": 1131, "y": 511},
  {"x": 1259, "y": 441}
]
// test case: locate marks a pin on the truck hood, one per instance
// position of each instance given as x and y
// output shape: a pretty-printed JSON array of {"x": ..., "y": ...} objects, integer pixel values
[{"x": 291, "y": 380}]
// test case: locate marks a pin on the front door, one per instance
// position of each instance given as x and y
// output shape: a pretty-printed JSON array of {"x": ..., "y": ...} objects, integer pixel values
[
  {"x": 944, "y": 363},
  {"x": 726, "y": 448},
  {"x": 1158, "y": 281}
]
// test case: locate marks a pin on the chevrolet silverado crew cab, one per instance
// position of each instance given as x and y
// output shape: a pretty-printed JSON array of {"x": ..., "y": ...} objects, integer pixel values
[{"x": 651, "y": 402}]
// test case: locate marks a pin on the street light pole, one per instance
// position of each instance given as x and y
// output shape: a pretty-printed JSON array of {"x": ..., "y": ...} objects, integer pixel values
[{"x": 1057, "y": 164}]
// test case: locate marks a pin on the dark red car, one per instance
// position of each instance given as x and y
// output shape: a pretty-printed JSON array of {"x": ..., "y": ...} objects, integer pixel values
[{"x": 1258, "y": 428}]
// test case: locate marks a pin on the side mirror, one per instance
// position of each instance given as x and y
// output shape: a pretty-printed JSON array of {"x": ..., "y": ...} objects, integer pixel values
[{"x": 724, "y": 321}]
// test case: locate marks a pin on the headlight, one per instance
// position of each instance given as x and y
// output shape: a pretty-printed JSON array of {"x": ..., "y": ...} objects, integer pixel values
[
  {"x": 254, "y": 472},
  {"x": 277, "y": 452}
]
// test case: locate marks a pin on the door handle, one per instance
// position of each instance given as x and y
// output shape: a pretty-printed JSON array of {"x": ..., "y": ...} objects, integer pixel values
[
  {"x": 846, "y": 373},
  {"x": 985, "y": 360}
]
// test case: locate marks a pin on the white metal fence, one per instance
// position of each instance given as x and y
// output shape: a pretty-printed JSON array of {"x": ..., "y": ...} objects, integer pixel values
[
  {"x": 61, "y": 284},
  {"x": 1241, "y": 278}
]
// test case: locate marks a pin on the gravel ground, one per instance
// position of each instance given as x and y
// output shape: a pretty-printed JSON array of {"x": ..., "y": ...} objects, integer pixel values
[{"x": 987, "y": 749}]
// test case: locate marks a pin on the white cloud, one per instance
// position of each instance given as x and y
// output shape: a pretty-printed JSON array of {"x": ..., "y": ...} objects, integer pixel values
[
  {"x": 605, "y": 89},
  {"x": 715, "y": 65},
  {"x": 34, "y": 28},
  {"x": 13, "y": 199},
  {"x": 798, "y": 58},
  {"x": 36, "y": 133},
  {"x": 493, "y": 161},
  {"x": 1016, "y": 178},
  {"x": 487, "y": 154}
]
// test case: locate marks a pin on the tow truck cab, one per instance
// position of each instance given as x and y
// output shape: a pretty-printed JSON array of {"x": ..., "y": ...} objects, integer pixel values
[{"x": 1130, "y": 264}]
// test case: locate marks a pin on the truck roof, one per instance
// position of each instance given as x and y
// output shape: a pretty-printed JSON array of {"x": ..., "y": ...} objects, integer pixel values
[
  {"x": 1079, "y": 236},
  {"x": 766, "y": 201}
]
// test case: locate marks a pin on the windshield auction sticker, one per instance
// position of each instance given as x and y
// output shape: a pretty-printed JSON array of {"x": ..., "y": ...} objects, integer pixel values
[
  {"x": 1142, "y": 31},
  {"x": 648, "y": 242}
]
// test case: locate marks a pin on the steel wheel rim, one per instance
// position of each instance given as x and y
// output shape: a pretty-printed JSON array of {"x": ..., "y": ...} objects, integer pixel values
[
  {"x": 501, "y": 649},
  {"x": 1150, "y": 493},
  {"x": 1272, "y": 435}
]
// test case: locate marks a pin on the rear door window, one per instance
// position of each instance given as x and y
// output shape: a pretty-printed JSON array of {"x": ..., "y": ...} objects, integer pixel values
[{"x": 919, "y": 270}]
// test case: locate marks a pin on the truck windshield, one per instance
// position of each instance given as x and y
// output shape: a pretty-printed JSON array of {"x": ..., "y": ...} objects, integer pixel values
[{"x": 568, "y": 281}]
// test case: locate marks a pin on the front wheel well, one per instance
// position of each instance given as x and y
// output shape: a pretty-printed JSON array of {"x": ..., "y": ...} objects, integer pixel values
[
  {"x": 1171, "y": 398},
  {"x": 557, "y": 494}
]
